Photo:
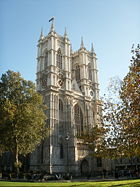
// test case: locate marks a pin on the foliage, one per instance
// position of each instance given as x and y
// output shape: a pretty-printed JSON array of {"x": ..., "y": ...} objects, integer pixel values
[
  {"x": 22, "y": 117},
  {"x": 18, "y": 164},
  {"x": 94, "y": 138},
  {"x": 122, "y": 116},
  {"x": 130, "y": 110}
]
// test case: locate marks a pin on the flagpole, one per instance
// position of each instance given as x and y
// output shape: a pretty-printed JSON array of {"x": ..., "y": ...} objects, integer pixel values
[
  {"x": 53, "y": 22},
  {"x": 52, "y": 26},
  {"x": 52, "y": 19}
]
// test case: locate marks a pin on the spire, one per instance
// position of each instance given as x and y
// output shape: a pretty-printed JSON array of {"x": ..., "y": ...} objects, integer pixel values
[
  {"x": 65, "y": 34},
  {"x": 82, "y": 43},
  {"x": 52, "y": 26},
  {"x": 41, "y": 34},
  {"x": 92, "y": 49}
]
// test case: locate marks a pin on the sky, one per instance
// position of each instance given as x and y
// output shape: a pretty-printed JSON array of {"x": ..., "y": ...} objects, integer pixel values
[{"x": 111, "y": 25}]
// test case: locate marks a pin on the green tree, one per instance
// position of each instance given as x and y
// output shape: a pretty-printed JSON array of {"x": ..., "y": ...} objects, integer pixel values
[{"x": 22, "y": 117}]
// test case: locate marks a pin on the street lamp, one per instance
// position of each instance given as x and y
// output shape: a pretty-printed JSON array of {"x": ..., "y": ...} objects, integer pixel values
[{"x": 67, "y": 139}]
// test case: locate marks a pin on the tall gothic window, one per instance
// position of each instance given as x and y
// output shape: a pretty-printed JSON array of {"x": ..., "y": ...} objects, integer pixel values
[
  {"x": 46, "y": 60},
  {"x": 78, "y": 116},
  {"x": 60, "y": 106},
  {"x": 61, "y": 111},
  {"x": 77, "y": 73},
  {"x": 89, "y": 72},
  {"x": 61, "y": 151},
  {"x": 59, "y": 59}
]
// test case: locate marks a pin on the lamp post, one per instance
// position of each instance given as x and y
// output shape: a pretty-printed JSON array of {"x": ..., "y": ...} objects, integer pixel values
[{"x": 67, "y": 139}]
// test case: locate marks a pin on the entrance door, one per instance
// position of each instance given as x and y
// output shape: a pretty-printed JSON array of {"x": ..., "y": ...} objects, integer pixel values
[{"x": 84, "y": 167}]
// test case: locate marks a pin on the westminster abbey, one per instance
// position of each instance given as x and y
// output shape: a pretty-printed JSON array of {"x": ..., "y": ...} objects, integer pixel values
[{"x": 68, "y": 82}]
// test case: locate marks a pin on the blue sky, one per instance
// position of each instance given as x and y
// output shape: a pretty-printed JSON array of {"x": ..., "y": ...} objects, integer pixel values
[{"x": 112, "y": 25}]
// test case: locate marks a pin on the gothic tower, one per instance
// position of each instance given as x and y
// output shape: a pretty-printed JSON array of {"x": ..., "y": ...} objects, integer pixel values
[{"x": 68, "y": 82}]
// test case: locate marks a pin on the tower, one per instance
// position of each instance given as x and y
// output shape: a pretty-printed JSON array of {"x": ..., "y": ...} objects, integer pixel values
[{"x": 68, "y": 82}]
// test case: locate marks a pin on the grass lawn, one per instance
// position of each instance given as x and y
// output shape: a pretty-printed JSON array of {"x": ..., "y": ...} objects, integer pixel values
[{"x": 124, "y": 183}]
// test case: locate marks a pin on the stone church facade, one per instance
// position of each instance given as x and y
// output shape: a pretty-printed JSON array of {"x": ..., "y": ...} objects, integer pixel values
[{"x": 68, "y": 81}]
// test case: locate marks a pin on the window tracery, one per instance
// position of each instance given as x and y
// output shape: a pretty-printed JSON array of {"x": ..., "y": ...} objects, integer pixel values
[
  {"x": 78, "y": 116},
  {"x": 60, "y": 106},
  {"x": 77, "y": 73},
  {"x": 89, "y": 72},
  {"x": 61, "y": 112},
  {"x": 61, "y": 151},
  {"x": 59, "y": 59},
  {"x": 46, "y": 60}
]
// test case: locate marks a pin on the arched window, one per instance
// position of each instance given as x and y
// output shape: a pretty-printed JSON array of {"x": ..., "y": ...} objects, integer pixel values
[
  {"x": 61, "y": 151},
  {"x": 89, "y": 72},
  {"x": 46, "y": 60},
  {"x": 61, "y": 112},
  {"x": 78, "y": 116},
  {"x": 60, "y": 106},
  {"x": 59, "y": 59},
  {"x": 84, "y": 167},
  {"x": 77, "y": 73}
]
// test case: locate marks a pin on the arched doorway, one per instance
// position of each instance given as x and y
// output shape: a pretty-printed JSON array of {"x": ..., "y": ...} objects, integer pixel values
[{"x": 84, "y": 168}]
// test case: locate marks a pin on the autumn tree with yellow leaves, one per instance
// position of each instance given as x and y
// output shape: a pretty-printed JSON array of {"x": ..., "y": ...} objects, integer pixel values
[
  {"x": 129, "y": 115},
  {"x": 120, "y": 130}
]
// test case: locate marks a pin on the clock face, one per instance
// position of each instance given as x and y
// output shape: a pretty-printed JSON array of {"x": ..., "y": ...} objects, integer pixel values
[
  {"x": 60, "y": 82},
  {"x": 91, "y": 93}
]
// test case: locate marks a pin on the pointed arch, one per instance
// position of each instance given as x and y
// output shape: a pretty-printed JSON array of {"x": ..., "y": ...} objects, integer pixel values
[
  {"x": 78, "y": 117},
  {"x": 45, "y": 59},
  {"x": 61, "y": 116},
  {"x": 59, "y": 59},
  {"x": 77, "y": 73},
  {"x": 61, "y": 151},
  {"x": 89, "y": 72},
  {"x": 60, "y": 105},
  {"x": 84, "y": 167}
]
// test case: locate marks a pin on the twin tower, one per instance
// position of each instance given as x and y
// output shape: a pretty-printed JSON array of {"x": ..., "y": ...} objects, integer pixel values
[{"x": 68, "y": 82}]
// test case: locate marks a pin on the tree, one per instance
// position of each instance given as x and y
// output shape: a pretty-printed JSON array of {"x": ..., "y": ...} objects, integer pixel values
[
  {"x": 130, "y": 109},
  {"x": 94, "y": 138},
  {"x": 120, "y": 130},
  {"x": 22, "y": 117},
  {"x": 123, "y": 117},
  {"x": 111, "y": 108}
]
